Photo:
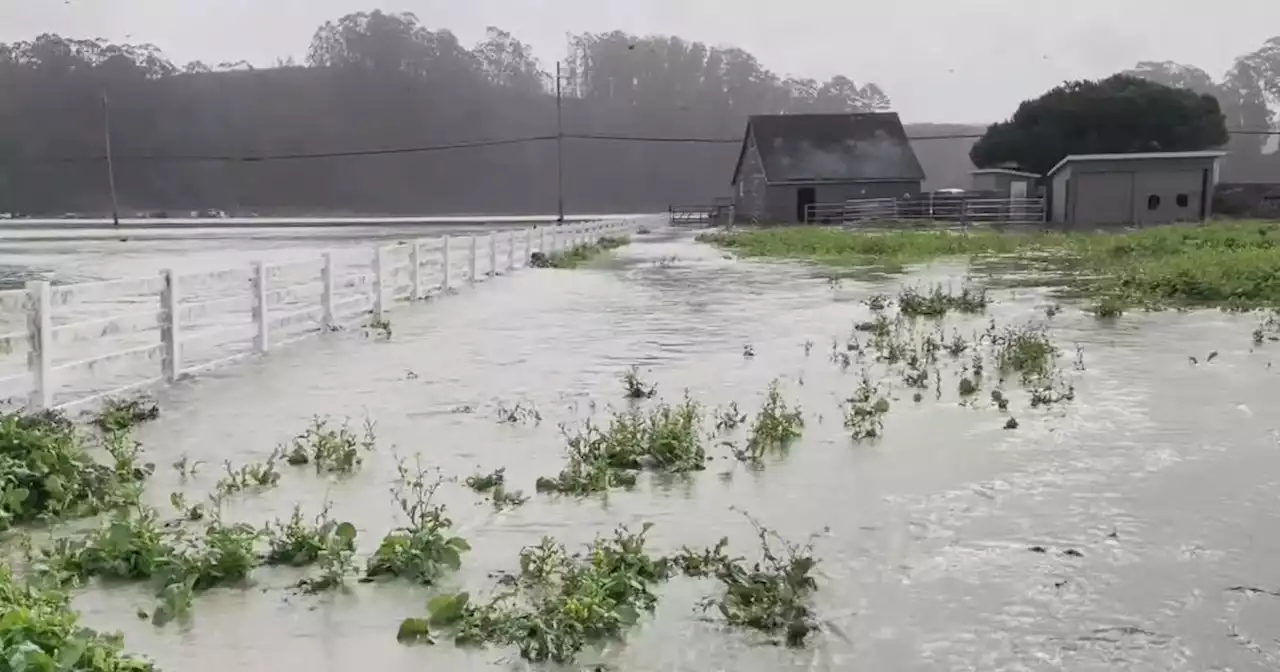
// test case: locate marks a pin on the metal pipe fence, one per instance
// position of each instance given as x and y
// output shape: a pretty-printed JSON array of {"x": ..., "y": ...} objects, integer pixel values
[{"x": 944, "y": 209}]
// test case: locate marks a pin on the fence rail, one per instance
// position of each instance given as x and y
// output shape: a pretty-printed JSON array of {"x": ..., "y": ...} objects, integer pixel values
[
  {"x": 179, "y": 325},
  {"x": 941, "y": 208}
]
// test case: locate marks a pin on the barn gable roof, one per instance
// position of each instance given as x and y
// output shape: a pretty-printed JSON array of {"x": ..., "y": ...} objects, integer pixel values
[{"x": 855, "y": 147}]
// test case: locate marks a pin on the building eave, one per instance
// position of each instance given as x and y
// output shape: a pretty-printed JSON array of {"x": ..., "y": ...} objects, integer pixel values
[
  {"x": 1135, "y": 156},
  {"x": 868, "y": 180}
]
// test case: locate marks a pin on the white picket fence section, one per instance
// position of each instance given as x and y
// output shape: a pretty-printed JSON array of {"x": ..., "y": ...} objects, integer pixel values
[{"x": 190, "y": 324}]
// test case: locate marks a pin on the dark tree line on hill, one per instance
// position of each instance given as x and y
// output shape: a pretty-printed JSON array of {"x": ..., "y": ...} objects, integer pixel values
[{"x": 376, "y": 80}]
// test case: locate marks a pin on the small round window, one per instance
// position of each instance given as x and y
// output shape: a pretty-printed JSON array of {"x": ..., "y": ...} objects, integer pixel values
[
  {"x": 1183, "y": 200},
  {"x": 1153, "y": 202}
]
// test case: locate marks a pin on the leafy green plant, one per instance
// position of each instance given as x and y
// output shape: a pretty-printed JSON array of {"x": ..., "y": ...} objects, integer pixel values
[
  {"x": 558, "y": 604},
  {"x": 730, "y": 417},
  {"x": 635, "y": 387},
  {"x": 423, "y": 550},
  {"x": 382, "y": 328},
  {"x": 331, "y": 449},
  {"x": 487, "y": 482},
  {"x": 938, "y": 301},
  {"x": 40, "y": 631},
  {"x": 665, "y": 439},
  {"x": 865, "y": 410},
  {"x": 772, "y": 595},
  {"x": 1027, "y": 351},
  {"x": 47, "y": 472},
  {"x": 776, "y": 425},
  {"x": 519, "y": 414},
  {"x": 257, "y": 475},
  {"x": 118, "y": 415}
]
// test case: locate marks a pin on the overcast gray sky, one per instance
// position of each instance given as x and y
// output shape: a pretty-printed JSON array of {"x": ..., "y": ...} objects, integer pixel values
[{"x": 939, "y": 60}]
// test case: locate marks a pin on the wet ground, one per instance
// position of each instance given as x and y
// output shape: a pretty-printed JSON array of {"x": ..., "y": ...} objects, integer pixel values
[{"x": 1151, "y": 495}]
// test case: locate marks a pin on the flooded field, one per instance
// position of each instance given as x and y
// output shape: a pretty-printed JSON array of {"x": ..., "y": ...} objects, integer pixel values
[{"x": 1122, "y": 524}]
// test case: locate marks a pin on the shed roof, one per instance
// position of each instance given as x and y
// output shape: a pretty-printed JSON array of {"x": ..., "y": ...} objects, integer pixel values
[
  {"x": 1136, "y": 156},
  {"x": 854, "y": 147},
  {"x": 1003, "y": 171}
]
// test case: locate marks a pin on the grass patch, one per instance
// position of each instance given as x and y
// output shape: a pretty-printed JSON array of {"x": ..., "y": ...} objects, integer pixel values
[
  {"x": 1228, "y": 264},
  {"x": 578, "y": 254}
]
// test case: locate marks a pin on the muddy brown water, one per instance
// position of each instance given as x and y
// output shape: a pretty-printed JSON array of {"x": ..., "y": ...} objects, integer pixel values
[{"x": 1161, "y": 476}]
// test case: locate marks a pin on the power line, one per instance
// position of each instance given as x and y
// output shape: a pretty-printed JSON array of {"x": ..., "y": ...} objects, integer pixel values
[{"x": 475, "y": 144}]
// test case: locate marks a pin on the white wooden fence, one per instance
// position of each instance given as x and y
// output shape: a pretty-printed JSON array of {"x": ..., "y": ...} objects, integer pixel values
[{"x": 190, "y": 324}]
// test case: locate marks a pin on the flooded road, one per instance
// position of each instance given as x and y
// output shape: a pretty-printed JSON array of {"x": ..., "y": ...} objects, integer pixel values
[
  {"x": 1146, "y": 499},
  {"x": 66, "y": 256}
]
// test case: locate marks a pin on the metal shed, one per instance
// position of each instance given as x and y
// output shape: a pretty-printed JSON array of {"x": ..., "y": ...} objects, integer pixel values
[
  {"x": 1007, "y": 181},
  {"x": 790, "y": 161},
  {"x": 1126, "y": 189}
]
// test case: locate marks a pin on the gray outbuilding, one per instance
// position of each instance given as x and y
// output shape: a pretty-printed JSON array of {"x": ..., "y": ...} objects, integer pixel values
[
  {"x": 790, "y": 161},
  {"x": 1005, "y": 181},
  {"x": 1087, "y": 190}
]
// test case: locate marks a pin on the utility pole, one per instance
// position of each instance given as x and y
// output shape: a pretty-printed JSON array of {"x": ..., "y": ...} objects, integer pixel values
[
  {"x": 111, "y": 170},
  {"x": 559, "y": 150}
]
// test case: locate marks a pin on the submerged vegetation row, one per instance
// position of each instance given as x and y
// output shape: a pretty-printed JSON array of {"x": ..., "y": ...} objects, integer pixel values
[
  {"x": 1230, "y": 265},
  {"x": 579, "y": 254}
]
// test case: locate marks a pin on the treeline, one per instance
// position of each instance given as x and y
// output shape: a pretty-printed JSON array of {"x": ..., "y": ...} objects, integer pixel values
[{"x": 384, "y": 81}]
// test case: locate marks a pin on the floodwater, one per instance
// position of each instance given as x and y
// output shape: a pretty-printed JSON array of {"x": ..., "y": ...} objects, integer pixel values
[
  {"x": 66, "y": 255},
  {"x": 1161, "y": 477}
]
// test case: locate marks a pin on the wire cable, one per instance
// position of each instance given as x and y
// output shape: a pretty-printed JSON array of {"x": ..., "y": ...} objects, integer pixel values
[{"x": 475, "y": 144}]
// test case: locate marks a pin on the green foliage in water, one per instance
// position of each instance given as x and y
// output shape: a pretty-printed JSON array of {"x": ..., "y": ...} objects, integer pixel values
[
  {"x": 864, "y": 411},
  {"x": 578, "y": 254},
  {"x": 775, "y": 427},
  {"x": 938, "y": 301},
  {"x": 327, "y": 542},
  {"x": 771, "y": 595},
  {"x": 336, "y": 450},
  {"x": 134, "y": 545},
  {"x": 665, "y": 439},
  {"x": 423, "y": 550},
  {"x": 1026, "y": 351},
  {"x": 40, "y": 631},
  {"x": 47, "y": 471},
  {"x": 1221, "y": 264},
  {"x": 119, "y": 415},
  {"x": 558, "y": 603}
]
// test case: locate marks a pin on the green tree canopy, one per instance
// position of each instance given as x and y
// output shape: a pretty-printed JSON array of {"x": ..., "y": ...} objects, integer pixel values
[{"x": 1122, "y": 113}]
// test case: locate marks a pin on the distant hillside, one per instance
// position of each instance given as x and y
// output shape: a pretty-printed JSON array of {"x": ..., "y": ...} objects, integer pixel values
[{"x": 946, "y": 162}]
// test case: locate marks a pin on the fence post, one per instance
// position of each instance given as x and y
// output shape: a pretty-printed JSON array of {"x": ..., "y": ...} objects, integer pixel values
[
  {"x": 542, "y": 240},
  {"x": 40, "y": 336},
  {"x": 170, "y": 326},
  {"x": 445, "y": 263},
  {"x": 379, "y": 287},
  {"x": 415, "y": 275},
  {"x": 475, "y": 253},
  {"x": 326, "y": 292},
  {"x": 528, "y": 248},
  {"x": 261, "y": 341},
  {"x": 511, "y": 251},
  {"x": 493, "y": 253}
]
